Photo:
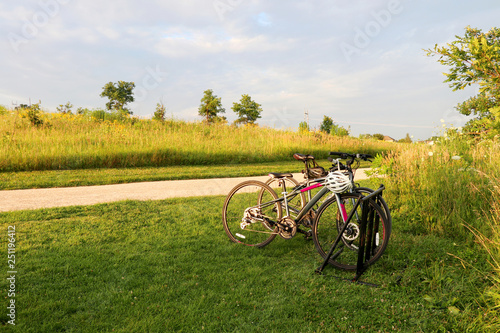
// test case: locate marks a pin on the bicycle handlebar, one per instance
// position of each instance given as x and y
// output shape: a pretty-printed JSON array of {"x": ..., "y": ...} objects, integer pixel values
[{"x": 345, "y": 156}]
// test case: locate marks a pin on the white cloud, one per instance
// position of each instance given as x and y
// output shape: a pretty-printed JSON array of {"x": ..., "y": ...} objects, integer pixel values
[{"x": 178, "y": 43}]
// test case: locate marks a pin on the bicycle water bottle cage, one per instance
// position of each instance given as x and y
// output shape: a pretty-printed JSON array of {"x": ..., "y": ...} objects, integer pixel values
[{"x": 337, "y": 182}]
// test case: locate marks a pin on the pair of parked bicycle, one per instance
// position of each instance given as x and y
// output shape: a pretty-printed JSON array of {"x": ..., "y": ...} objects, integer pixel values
[{"x": 332, "y": 208}]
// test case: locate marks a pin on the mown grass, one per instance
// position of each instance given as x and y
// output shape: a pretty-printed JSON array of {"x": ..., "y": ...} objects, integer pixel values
[
  {"x": 167, "y": 266},
  {"x": 69, "y": 142}
]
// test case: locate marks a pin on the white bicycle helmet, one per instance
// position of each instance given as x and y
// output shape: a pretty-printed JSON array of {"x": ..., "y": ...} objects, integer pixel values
[{"x": 338, "y": 182}]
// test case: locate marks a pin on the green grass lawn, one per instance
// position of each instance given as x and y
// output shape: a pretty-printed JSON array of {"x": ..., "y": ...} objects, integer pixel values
[{"x": 167, "y": 266}]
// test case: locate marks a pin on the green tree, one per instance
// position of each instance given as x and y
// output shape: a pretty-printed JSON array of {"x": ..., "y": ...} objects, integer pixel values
[
  {"x": 210, "y": 107},
  {"x": 160, "y": 112},
  {"x": 326, "y": 125},
  {"x": 65, "y": 108},
  {"x": 303, "y": 127},
  {"x": 407, "y": 139},
  {"x": 248, "y": 111},
  {"x": 81, "y": 110},
  {"x": 475, "y": 59},
  {"x": 119, "y": 94},
  {"x": 339, "y": 130},
  {"x": 33, "y": 113},
  {"x": 378, "y": 136}
]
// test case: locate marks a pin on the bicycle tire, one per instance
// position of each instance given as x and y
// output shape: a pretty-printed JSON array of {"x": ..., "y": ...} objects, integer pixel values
[
  {"x": 248, "y": 194},
  {"x": 298, "y": 202},
  {"x": 328, "y": 224}
]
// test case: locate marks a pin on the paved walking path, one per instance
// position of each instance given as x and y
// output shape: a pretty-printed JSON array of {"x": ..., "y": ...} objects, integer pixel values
[{"x": 12, "y": 200}]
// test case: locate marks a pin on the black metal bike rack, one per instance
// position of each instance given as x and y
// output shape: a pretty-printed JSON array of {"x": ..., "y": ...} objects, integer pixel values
[{"x": 368, "y": 228}]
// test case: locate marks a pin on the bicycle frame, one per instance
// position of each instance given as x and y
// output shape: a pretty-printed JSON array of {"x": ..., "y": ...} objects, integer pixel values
[{"x": 313, "y": 201}]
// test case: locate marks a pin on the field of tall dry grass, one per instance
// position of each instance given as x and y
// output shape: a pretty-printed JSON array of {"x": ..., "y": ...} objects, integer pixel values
[{"x": 65, "y": 141}]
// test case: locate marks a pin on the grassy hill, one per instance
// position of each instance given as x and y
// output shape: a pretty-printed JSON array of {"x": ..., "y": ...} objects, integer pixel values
[{"x": 65, "y": 141}]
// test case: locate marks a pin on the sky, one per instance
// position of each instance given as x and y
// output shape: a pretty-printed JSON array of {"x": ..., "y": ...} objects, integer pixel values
[{"x": 362, "y": 63}]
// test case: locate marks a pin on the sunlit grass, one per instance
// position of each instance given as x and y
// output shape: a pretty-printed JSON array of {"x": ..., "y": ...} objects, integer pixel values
[
  {"x": 168, "y": 266},
  {"x": 453, "y": 190},
  {"x": 444, "y": 200},
  {"x": 440, "y": 190},
  {"x": 86, "y": 177},
  {"x": 80, "y": 142}
]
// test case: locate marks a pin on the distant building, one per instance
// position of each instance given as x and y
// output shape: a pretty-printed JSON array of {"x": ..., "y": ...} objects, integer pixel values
[{"x": 389, "y": 139}]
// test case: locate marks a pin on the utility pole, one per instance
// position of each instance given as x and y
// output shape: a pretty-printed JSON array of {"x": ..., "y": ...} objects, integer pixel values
[{"x": 306, "y": 117}]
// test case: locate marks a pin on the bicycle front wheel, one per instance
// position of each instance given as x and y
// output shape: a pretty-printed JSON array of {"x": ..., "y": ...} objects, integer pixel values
[
  {"x": 381, "y": 202},
  {"x": 329, "y": 223},
  {"x": 250, "y": 214}
]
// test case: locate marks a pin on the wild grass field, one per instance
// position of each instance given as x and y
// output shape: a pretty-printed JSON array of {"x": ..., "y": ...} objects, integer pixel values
[
  {"x": 452, "y": 190},
  {"x": 168, "y": 265},
  {"x": 69, "y": 142}
]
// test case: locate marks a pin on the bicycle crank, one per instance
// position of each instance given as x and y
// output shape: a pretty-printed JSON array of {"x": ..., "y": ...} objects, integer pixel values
[{"x": 287, "y": 228}]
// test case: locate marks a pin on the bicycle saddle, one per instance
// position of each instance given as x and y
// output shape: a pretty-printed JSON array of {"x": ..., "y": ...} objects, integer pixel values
[
  {"x": 280, "y": 175},
  {"x": 301, "y": 157}
]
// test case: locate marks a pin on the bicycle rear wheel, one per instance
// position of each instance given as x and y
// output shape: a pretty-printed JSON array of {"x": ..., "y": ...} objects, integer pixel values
[
  {"x": 249, "y": 216},
  {"x": 329, "y": 223}
]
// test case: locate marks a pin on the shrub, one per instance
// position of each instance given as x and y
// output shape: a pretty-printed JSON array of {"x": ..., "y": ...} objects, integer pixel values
[{"x": 34, "y": 115}]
